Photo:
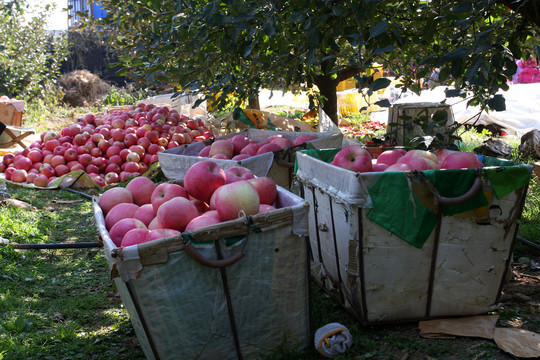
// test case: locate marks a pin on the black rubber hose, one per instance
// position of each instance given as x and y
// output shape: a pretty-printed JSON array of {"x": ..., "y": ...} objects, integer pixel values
[
  {"x": 56, "y": 246},
  {"x": 529, "y": 243}
]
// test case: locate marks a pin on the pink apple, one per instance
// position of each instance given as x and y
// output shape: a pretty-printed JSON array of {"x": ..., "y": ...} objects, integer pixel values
[
  {"x": 141, "y": 188},
  {"x": 240, "y": 157},
  {"x": 221, "y": 147},
  {"x": 145, "y": 213},
  {"x": 267, "y": 189},
  {"x": 202, "y": 221},
  {"x": 176, "y": 213},
  {"x": 23, "y": 163},
  {"x": 237, "y": 173},
  {"x": 8, "y": 159},
  {"x": 379, "y": 167},
  {"x": 114, "y": 196},
  {"x": 119, "y": 229},
  {"x": 390, "y": 157},
  {"x": 268, "y": 147},
  {"x": 31, "y": 176},
  {"x": 265, "y": 208},
  {"x": 399, "y": 167},
  {"x": 236, "y": 199},
  {"x": 85, "y": 159},
  {"x": 203, "y": 178},
  {"x": 239, "y": 142},
  {"x": 160, "y": 233},
  {"x": 304, "y": 138},
  {"x": 420, "y": 160},
  {"x": 282, "y": 142},
  {"x": 201, "y": 206},
  {"x": 19, "y": 175},
  {"x": 165, "y": 192},
  {"x": 250, "y": 149},
  {"x": 119, "y": 212},
  {"x": 61, "y": 169},
  {"x": 205, "y": 152},
  {"x": 41, "y": 180},
  {"x": 112, "y": 177},
  {"x": 442, "y": 154},
  {"x": 35, "y": 156},
  {"x": 134, "y": 237},
  {"x": 71, "y": 154},
  {"x": 112, "y": 168},
  {"x": 462, "y": 160},
  {"x": 354, "y": 158}
]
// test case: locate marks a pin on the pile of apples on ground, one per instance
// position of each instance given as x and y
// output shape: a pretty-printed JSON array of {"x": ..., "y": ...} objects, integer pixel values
[
  {"x": 356, "y": 158},
  {"x": 145, "y": 211},
  {"x": 110, "y": 148}
]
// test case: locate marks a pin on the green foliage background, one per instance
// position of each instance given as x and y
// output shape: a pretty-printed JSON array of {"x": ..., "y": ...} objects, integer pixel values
[{"x": 30, "y": 56}]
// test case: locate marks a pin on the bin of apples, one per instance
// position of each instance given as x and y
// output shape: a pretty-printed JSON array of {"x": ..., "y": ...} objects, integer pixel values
[
  {"x": 145, "y": 211},
  {"x": 110, "y": 148},
  {"x": 358, "y": 159},
  {"x": 240, "y": 147}
]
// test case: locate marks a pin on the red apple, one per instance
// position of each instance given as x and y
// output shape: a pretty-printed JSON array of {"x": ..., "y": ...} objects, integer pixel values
[
  {"x": 160, "y": 233},
  {"x": 23, "y": 163},
  {"x": 221, "y": 147},
  {"x": 283, "y": 142},
  {"x": 237, "y": 173},
  {"x": 265, "y": 208},
  {"x": 119, "y": 212},
  {"x": 134, "y": 237},
  {"x": 304, "y": 138},
  {"x": 176, "y": 213},
  {"x": 205, "y": 151},
  {"x": 420, "y": 160},
  {"x": 239, "y": 142},
  {"x": 145, "y": 213},
  {"x": 268, "y": 147},
  {"x": 354, "y": 158},
  {"x": 141, "y": 188},
  {"x": 119, "y": 229},
  {"x": 41, "y": 180},
  {"x": 267, "y": 189},
  {"x": 165, "y": 192},
  {"x": 202, "y": 221},
  {"x": 462, "y": 160},
  {"x": 390, "y": 157},
  {"x": 19, "y": 175},
  {"x": 114, "y": 196},
  {"x": 203, "y": 178},
  {"x": 236, "y": 199},
  {"x": 399, "y": 167}
]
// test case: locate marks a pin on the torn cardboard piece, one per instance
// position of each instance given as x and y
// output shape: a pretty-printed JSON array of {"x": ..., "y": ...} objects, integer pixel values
[
  {"x": 518, "y": 342},
  {"x": 471, "y": 326}
]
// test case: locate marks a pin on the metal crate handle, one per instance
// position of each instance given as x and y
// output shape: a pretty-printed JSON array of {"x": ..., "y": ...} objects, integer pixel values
[
  {"x": 220, "y": 263},
  {"x": 195, "y": 255},
  {"x": 477, "y": 184}
]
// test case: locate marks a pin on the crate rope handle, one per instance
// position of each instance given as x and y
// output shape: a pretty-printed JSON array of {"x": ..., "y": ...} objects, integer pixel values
[
  {"x": 195, "y": 255},
  {"x": 477, "y": 184},
  {"x": 281, "y": 159}
]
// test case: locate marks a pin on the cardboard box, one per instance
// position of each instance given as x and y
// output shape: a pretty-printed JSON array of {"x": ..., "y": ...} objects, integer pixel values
[
  {"x": 180, "y": 308},
  {"x": 368, "y": 267}
]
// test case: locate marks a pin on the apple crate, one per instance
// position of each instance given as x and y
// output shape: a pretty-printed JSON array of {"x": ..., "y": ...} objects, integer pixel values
[
  {"x": 11, "y": 113},
  {"x": 405, "y": 246},
  {"x": 238, "y": 289},
  {"x": 277, "y": 165}
]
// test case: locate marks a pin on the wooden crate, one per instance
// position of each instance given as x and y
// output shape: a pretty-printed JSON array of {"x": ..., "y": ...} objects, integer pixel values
[{"x": 9, "y": 115}]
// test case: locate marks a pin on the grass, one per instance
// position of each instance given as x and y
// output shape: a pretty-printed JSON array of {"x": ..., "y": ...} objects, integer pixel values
[{"x": 60, "y": 304}]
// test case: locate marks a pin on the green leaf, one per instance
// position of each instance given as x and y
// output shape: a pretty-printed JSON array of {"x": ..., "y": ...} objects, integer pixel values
[
  {"x": 463, "y": 7},
  {"x": 269, "y": 29},
  {"x": 380, "y": 84},
  {"x": 383, "y": 103},
  {"x": 497, "y": 103},
  {"x": 458, "y": 53},
  {"x": 379, "y": 29}
]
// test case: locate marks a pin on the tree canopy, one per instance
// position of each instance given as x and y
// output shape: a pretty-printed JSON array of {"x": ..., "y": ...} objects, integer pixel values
[{"x": 237, "y": 47}]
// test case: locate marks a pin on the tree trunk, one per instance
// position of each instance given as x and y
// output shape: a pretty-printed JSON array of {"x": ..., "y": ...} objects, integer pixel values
[
  {"x": 327, "y": 89},
  {"x": 253, "y": 103}
]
